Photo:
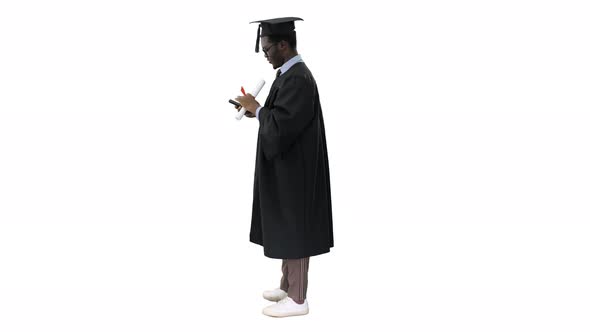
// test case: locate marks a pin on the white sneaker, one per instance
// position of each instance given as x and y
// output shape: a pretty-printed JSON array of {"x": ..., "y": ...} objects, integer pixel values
[
  {"x": 286, "y": 307},
  {"x": 274, "y": 295}
]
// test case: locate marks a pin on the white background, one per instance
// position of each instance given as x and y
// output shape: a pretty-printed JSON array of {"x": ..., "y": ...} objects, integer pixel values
[{"x": 458, "y": 137}]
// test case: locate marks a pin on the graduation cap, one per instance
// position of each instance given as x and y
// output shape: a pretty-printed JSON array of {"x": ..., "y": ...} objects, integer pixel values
[{"x": 275, "y": 26}]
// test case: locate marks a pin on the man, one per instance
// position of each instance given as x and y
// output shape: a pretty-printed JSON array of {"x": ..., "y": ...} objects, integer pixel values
[{"x": 291, "y": 211}]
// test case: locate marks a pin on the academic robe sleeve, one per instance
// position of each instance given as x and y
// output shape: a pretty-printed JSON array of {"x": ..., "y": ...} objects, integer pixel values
[{"x": 291, "y": 112}]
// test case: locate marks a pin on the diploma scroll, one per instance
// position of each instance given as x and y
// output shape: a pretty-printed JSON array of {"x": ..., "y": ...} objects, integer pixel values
[{"x": 254, "y": 93}]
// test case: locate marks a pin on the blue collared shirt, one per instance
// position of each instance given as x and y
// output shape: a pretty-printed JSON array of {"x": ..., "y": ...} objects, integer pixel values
[{"x": 286, "y": 66}]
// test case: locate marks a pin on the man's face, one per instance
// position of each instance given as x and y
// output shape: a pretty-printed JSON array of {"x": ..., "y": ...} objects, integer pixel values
[{"x": 271, "y": 52}]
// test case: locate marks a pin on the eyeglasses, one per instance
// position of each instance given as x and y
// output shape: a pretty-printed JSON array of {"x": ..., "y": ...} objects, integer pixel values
[{"x": 268, "y": 49}]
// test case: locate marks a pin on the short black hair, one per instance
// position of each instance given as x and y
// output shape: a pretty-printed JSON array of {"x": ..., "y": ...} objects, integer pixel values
[{"x": 290, "y": 38}]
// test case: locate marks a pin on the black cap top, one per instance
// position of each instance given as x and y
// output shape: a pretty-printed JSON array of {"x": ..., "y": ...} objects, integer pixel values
[{"x": 275, "y": 26}]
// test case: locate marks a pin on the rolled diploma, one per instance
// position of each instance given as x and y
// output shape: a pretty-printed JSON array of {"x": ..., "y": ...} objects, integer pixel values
[{"x": 254, "y": 93}]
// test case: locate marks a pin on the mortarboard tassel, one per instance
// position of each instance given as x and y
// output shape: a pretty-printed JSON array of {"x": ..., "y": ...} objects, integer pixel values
[{"x": 258, "y": 37}]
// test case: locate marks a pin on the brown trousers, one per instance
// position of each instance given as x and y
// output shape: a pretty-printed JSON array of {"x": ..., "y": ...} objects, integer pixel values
[{"x": 294, "y": 280}]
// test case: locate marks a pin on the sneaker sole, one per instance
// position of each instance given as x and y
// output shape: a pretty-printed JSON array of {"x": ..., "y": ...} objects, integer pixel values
[
  {"x": 272, "y": 299},
  {"x": 286, "y": 315}
]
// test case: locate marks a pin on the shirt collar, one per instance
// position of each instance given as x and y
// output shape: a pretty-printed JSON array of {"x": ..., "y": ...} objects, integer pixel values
[{"x": 287, "y": 65}]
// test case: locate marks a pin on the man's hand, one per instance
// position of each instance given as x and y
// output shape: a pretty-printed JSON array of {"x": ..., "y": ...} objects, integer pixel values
[{"x": 249, "y": 103}]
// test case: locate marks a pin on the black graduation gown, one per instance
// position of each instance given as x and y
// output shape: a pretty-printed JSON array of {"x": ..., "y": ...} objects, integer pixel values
[{"x": 292, "y": 209}]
